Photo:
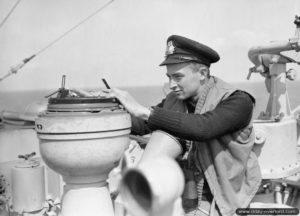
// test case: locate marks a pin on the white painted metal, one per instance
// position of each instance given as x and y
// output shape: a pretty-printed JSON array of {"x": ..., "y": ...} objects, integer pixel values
[
  {"x": 277, "y": 155},
  {"x": 84, "y": 148},
  {"x": 28, "y": 187},
  {"x": 155, "y": 186}
]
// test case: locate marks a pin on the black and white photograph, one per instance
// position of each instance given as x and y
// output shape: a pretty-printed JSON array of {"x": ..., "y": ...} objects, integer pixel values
[{"x": 149, "y": 107}]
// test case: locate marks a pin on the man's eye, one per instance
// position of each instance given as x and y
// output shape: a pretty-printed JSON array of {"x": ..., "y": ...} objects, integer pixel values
[{"x": 177, "y": 78}]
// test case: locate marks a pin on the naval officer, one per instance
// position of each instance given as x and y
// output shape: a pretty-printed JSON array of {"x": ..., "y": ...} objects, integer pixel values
[{"x": 212, "y": 119}]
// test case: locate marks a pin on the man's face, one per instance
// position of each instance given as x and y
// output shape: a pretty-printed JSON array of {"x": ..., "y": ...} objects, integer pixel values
[{"x": 183, "y": 80}]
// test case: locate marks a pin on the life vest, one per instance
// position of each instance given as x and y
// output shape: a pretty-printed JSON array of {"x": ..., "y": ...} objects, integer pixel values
[{"x": 228, "y": 162}]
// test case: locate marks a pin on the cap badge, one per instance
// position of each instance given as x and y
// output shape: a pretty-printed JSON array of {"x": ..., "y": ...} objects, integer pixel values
[{"x": 170, "y": 48}]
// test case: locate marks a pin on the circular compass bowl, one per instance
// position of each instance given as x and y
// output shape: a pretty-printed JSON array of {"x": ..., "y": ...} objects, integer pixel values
[{"x": 83, "y": 139}]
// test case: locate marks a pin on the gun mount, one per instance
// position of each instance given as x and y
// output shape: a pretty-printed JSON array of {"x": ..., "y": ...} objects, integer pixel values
[
  {"x": 277, "y": 128},
  {"x": 270, "y": 61}
]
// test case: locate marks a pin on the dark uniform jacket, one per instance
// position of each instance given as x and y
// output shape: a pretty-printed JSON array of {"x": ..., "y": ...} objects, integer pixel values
[{"x": 228, "y": 162}]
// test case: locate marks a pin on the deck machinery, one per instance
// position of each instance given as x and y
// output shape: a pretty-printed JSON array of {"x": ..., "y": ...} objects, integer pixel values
[{"x": 277, "y": 128}]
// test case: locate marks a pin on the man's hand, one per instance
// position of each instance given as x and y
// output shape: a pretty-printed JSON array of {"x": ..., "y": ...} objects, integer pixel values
[{"x": 131, "y": 105}]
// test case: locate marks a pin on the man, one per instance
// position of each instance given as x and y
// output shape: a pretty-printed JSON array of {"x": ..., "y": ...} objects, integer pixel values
[{"x": 213, "y": 121}]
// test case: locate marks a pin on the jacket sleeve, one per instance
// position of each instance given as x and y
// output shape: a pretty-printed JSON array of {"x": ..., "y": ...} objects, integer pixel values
[
  {"x": 231, "y": 114},
  {"x": 139, "y": 126}
]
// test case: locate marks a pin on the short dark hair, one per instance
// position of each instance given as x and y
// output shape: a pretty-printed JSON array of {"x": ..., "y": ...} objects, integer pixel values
[{"x": 196, "y": 67}]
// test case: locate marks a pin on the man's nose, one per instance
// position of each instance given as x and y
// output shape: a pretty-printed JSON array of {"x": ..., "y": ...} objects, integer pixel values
[{"x": 172, "y": 84}]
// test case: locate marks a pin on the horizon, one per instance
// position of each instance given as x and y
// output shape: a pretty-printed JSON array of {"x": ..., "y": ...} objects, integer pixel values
[{"x": 126, "y": 41}]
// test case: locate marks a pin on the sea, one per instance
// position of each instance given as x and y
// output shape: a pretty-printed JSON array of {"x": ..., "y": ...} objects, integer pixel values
[{"x": 17, "y": 101}]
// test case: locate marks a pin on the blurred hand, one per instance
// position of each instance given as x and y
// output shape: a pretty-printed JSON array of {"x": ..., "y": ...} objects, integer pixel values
[{"x": 131, "y": 105}]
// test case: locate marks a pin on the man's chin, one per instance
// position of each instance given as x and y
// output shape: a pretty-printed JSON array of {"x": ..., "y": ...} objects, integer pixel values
[{"x": 180, "y": 96}]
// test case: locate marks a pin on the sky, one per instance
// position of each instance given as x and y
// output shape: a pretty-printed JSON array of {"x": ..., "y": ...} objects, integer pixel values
[{"x": 126, "y": 41}]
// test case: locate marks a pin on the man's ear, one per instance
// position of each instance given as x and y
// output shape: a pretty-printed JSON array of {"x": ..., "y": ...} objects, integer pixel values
[
  {"x": 202, "y": 77},
  {"x": 204, "y": 73}
]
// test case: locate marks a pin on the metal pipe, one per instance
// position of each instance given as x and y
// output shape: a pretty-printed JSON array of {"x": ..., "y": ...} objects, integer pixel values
[
  {"x": 271, "y": 48},
  {"x": 276, "y": 47},
  {"x": 155, "y": 186},
  {"x": 294, "y": 196},
  {"x": 286, "y": 194},
  {"x": 278, "y": 194},
  {"x": 162, "y": 144}
]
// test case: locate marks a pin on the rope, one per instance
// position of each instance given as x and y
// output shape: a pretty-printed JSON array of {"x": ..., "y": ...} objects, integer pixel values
[
  {"x": 9, "y": 13},
  {"x": 199, "y": 175},
  {"x": 74, "y": 27},
  {"x": 200, "y": 184}
]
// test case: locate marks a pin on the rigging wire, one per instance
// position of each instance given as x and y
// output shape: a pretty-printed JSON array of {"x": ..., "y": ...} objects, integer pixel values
[
  {"x": 9, "y": 13},
  {"x": 74, "y": 27},
  {"x": 15, "y": 69}
]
